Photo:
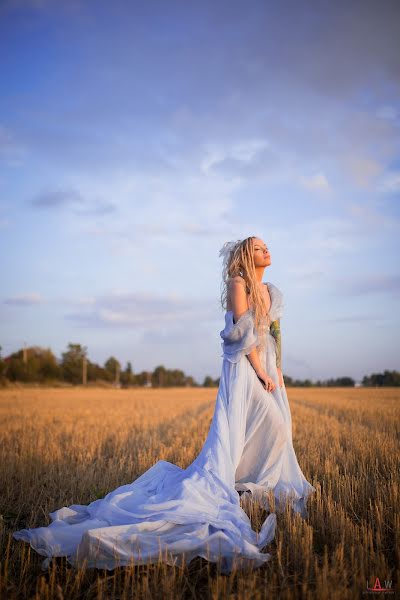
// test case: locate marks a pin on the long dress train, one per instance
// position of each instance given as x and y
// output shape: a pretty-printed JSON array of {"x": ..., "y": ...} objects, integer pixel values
[{"x": 173, "y": 514}]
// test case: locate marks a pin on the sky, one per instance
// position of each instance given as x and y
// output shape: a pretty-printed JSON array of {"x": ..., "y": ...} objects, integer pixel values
[{"x": 137, "y": 137}]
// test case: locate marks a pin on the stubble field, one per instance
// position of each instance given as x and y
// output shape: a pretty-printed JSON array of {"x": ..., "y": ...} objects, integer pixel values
[{"x": 71, "y": 446}]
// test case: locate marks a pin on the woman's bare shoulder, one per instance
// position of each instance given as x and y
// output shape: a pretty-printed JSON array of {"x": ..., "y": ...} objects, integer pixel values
[{"x": 236, "y": 280}]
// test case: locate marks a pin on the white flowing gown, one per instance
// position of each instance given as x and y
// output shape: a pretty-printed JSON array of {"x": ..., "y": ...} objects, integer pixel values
[{"x": 173, "y": 514}]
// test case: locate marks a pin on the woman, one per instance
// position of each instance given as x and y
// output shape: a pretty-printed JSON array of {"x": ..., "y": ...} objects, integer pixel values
[
  {"x": 173, "y": 514},
  {"x": 263, "y": 452}
]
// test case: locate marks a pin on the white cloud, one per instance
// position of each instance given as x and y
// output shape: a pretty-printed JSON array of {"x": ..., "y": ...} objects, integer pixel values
[
  {"x": 144, "y": 311},
  {"x": 244, "y": 151},
  {"x": 25, "y": 299},
  {"x": 151, "y": 210}
]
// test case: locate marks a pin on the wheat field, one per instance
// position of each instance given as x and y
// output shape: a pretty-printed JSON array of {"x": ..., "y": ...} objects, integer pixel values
[{"x": 71, "y": 446}]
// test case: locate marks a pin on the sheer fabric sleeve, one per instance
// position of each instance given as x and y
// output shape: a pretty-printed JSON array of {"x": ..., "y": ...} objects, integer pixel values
[
  {"x": 239, "y": 338},
  {"x": 278, "y": 303}
]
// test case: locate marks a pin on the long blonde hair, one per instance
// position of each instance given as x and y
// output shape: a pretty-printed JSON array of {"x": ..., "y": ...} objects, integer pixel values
[{"x": 241, "y": 262}]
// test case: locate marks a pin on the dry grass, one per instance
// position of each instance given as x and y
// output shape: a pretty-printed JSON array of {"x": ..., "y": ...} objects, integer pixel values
[{"x": 60, "y": 447}]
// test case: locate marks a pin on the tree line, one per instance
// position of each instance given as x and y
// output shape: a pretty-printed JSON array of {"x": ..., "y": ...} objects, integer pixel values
[
  {"x": 387, "y": 378},
  {"x": 39, "y": 365}
]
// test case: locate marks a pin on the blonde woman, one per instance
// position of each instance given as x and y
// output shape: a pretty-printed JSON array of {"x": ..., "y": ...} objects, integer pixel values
[
  {"x": 173, "y": 514},
  {"x": 263, "y": 453}
]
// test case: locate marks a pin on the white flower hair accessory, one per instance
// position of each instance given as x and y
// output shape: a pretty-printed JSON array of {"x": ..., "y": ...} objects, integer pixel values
[{"x": 227, "y": 250}]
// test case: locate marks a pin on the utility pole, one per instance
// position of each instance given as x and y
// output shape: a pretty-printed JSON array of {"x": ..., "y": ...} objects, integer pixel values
[{"x": 117, "y": 374}]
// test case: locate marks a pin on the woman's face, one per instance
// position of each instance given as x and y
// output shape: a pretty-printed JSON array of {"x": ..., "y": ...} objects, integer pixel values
[{"x": 262, "y": 257}]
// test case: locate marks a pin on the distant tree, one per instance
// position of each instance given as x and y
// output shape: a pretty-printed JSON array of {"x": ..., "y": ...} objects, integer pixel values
[
  {"x": 71, "y": 363},
  {"x": 48, "y": 367},
  {"x": 176, "y": 377},
  {"x": 159, "y": 376},
  {"x": 16, "y": 368},
  {"x": 95, "y": 372},
  {"x": 3, "y": 368},
  {"x": 143, "y": 378},
  {"x": 210, "y": 382},
  {"x": 40, "y": 366},
  {"x": 110, "y": 367},
  {"x": 341, "y": 382},
  {"x": 190, "y": 382},
  {"x": 127, "y": 376},
  {"x": 346, "y": 382},
  {"x": 162, "y": 377},
  {"x": 387, "y": 378}
]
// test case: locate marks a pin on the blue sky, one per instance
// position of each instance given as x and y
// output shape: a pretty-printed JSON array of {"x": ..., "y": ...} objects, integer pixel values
[{"x": 136, "y": 138}]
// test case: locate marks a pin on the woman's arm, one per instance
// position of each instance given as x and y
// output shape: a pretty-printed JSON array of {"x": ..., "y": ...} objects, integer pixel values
[
  {"x": 275, "y": 329},
  {"x": 238, "y": 300},
  {"x": 254, "y": 359},
  {"x": 237, "y": 297}
]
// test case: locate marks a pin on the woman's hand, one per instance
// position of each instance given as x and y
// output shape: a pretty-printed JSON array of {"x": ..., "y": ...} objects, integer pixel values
[
  {"x": 280, "y": 377},
  {"x": 266, "y": 380}
]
